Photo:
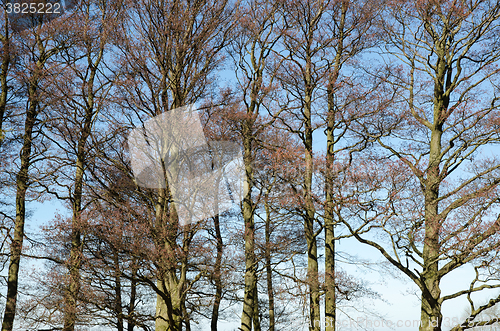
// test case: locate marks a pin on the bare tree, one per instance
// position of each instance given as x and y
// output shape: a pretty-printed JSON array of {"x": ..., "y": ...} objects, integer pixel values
[
  {"x": 38, "y": 45},
  {"x": 306, "y": 41},
  {"x": 444, "y": 208},
  {"x": 353, "y": 31},
  {"x": 172, "y": 50},
  {"x": 79, "y": 93},
  {"x": 252, "y": 56}
]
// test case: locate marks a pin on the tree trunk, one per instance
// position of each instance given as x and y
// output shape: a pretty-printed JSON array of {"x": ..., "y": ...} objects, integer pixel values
[
  {"x": 249, "y": 299},
  {"x": 75, "y": 260},
  {"x": 168, "y": 305},
  {"x": 312, "y": 273},
  {"x": 330, "y": 283},
  {"x": 22, "y": 186},
  {"x": 431, "y": 316},
  {"x": 217, "y": 275},
  {"x": 330, "y": 295},
  {"x": 118, "y": 292},
  {"x": 269, "y": 270},
  {"x": 3, "y": 73},
  {"x": 133, "y": 294},
  {"x": 330, "y": 306},
  {"x": 256, "y": 315},
  {"x": 309, "y": 218},
  {"x": 71, "y": 296}
]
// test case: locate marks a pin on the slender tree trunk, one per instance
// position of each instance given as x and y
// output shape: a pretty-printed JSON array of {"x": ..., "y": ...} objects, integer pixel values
[
  {"x": 133, "y": 294},
  {"x": 330, "y": 282},
  {"x": 217, "y": 275},
  {"x": 22, "y": 186},
  {"x": 249, "y": 299},
  {"x": 71, "y": 297},
  {"x": 75, "y": 260},
  {"x": 310, "y": 211},
  {"x": 186, "y": 319},
  {"x": 330, "y": 295},
  {"x": 3, "y": 74},
  {"x": 256, "y": 315},
  {"x": 118, "y": 292},
  {"x": 312, "y": 272},
  {"x": 269, "y": 271}
]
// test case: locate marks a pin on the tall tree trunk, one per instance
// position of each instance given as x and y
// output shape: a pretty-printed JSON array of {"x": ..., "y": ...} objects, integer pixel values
[
  {"x": 330, "y": 295},
  {"x": 71, "y": 296},
  {"x": 269, "y": 270},
  {"x": 217, "y": 274},
  {"x": 22, "y": 186},
  {"x": 330, "y": 283},
  {"x": 133, "y": 294},
  {"x": 431, "y": 316},
  {"x": 256, "y": 315},
  {"x": 310, "y": 211},
  {"x": 169, "y": 302},
  {"x": 118, "y": 292},
  {"x": 186, "y": 318},
  {"x": 75, "y": 259},
  {"x": 249, "y": 299},
  {"x": 5, "y": 39},
  {"x": 168, "y": 305}
]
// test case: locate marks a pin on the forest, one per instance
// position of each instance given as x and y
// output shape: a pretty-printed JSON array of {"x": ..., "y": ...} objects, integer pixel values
[{"x": 200, "y": 164}]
